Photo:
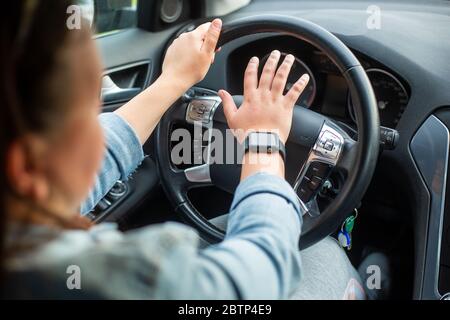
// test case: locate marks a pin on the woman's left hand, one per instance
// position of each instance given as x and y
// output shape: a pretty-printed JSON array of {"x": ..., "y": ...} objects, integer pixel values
[{"x": 189, "y": 57}]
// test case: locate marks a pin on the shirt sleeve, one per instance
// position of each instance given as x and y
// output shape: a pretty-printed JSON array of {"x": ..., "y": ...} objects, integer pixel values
[
  {"x": 122, "y": 156},
  {"x": 259, "y": 258}
]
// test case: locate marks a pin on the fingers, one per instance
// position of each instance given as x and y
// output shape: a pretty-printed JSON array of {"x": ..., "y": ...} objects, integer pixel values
[
  {"x": 251, "y": 76},
  {"x": 279, "y": 82},
  {"x": 297, "y": 89},
  {"x": 202, "y": 29},
  {"x": 229, "y": 107},
  {"x": 212, "y": 36},
  {"x": 269, "y": 70}
]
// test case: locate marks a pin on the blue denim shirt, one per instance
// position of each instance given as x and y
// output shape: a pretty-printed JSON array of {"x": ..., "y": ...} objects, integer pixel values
[
  {"x": 258, "y": 259},
  {"x": 123, "y": 155}
]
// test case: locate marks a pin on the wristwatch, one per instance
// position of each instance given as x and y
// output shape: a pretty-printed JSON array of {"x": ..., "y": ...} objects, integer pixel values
[{"x": 264, "y": 142}]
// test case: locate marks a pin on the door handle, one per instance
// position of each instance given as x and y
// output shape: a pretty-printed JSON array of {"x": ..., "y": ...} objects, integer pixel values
[
  {"x": 119, "y": 95},
  {"x": 111, "y": 93}
]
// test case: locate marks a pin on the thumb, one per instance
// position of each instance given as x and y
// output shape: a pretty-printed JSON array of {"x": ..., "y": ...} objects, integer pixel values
[
  {"x": 212, "y": 36},
  {"x": 229, "y": 107}
]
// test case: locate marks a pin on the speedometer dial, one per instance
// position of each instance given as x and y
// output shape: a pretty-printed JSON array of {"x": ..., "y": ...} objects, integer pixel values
[
  {"x": 298, "y": 69},
  {"x": 391, "y": 96}
]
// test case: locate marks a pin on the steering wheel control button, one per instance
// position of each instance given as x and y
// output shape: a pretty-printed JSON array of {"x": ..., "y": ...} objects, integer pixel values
[
  {"x": 327, "y": 145},
  {"x": 304, "y": 192},
  {"x": 314, "y": 183},
  {"x": 321, "y": 160},
  {"x": 318, "y": 169},
  {"x": 201, "y": 110}
]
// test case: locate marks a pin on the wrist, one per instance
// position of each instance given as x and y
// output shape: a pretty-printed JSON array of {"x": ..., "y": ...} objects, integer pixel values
[
  {"x": 245, "y": 133},
  {"x": 177, "y": 85},
  {"x": 271, "y": 163}
]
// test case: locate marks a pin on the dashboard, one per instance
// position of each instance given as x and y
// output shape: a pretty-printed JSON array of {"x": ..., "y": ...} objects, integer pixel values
[{"x": 327, "y": 91}]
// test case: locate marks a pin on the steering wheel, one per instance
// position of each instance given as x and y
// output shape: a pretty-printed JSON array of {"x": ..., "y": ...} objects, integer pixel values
[{"x": 319, "y": 145}]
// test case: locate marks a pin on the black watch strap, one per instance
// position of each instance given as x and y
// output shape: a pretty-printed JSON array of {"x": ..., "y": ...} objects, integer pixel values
[{"x": 264, "y": 142}]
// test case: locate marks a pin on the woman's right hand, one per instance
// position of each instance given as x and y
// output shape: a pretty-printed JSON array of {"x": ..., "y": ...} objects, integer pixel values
[{"x": 265, "y": 108}]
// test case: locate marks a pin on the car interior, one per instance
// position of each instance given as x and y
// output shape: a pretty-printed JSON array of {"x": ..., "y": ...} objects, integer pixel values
[{"x": 392, "y": 156}]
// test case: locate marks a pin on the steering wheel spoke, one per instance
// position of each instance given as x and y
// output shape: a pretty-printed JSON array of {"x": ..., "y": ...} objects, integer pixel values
[
  {"x": 333, "y": 150},
  {"x": 190, "y": 178},
  {"x": 199, "y": 175},
  {"x": 348, "y": 156},
  {"x": 323, "y": 157}
]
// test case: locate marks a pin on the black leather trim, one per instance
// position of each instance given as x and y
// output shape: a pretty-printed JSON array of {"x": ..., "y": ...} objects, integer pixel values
[{"x": 295, "y": 27}]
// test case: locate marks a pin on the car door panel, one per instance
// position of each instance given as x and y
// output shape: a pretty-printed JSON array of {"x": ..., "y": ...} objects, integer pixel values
[{"x": 131, "y": 61}]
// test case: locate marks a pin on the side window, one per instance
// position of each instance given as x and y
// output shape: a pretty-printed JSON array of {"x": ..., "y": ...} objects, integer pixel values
[{"x": 109, "y": 16}]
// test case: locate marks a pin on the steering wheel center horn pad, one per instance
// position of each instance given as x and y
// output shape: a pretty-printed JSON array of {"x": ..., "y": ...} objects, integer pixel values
[{"x": 326, "y": 146}]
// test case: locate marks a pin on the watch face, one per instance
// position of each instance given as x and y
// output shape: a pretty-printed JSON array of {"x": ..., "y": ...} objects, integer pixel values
[{"x": 262, "y": 139}]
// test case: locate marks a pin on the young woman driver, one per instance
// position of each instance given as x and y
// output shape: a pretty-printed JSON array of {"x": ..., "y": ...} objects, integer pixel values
[{"x": 56, "y": 151}]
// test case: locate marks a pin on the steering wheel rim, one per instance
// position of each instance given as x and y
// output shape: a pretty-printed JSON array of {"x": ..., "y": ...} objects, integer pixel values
[{"x": 365, "y": 151}]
